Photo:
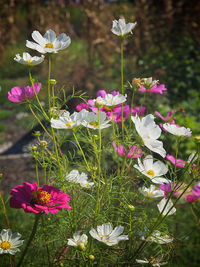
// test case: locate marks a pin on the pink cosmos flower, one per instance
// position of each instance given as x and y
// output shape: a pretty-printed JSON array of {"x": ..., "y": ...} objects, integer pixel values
[
  {"x": 117, "y": 113},
  {"x": 195, "y": 194},
  {"x": 140, "y": 110},
  {"x": 179, "y": 162},
  {"x": 82, "y": 106},
  {"x": 167, "y": 188},
  {"x": 170, "y": 119},
  {"x": 22, "y": 94},
  {"x": 133, "y": 152},
  {"x": 157, "y": 89},
  {"x": 35, "y": 200}
]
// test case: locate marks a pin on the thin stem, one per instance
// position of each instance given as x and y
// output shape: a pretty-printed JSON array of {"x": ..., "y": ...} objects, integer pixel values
[
  {"x": 56, "y": 150},
  {"x": 4, "y": 210},
  {"x": 37, "y": 217},
  {"x": 49, "y": 84},
  {"x": 86, "y": 163},
  {"x": 44, "y": 166},
  {"x": 74, "y": 208},
  {"x": 36, "y": 170},
  {"x": 122, "y": 82},
  {"x": 39, "y": 121},
  {"x": 36, "y": 96}
]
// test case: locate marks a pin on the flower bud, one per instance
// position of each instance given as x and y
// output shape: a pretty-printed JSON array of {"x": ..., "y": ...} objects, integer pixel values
[
  {"x": 131, "y": 207},
  {"x": 91, "y": 257},
  {"x": 53, "y": 81},
  {"x": 34, "y": 148},
  {"x": 37, "y": 133},
  {"x": 81, "y": 246},
  {"x": 1, "y": 175},
  {"x": 136, "y": 82},
  {"x": 94, "y": 168},
  {"x": 99, "y": 103},
  {"x": 43, "y": 144}
]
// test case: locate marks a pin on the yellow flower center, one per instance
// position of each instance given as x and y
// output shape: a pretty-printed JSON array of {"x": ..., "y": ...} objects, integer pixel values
[
  {"x": 148, "y": 137},
  {"x": 151, "y": 172},
  {"x": 5, "y": 245},
  {"x": 69, "y": 123},
  {"x": 41, "y": 197},
  {"x": 49, "y": 46},
  {"x": 29, "y": 60},
  {"x": 93, "y": 123},
  {"x": 150, "y": 193}
]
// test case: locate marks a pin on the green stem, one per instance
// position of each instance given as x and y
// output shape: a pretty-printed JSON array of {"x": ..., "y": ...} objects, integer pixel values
[
  {"x": 37, "y": 217},
  {"x": 56, "y": 150},
  {"x": 122, "y": 82},
  {"x": 49, "y": 84},
  {"x": 39, "y": 121},
  {"x": 86, "y": 163},
  {"x": 44, "y": 166},
  {"x": 36, "y": 96},
  {"x": 36, "y": 170},
  {"x": 74, "y": 209}
]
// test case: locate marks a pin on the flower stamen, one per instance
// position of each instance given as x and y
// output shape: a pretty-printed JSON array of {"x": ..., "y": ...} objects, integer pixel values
[
  {"x": 49, "y": 46},
  {"x": 5, "y": 245},
  {"x": 151, "y": 172}
]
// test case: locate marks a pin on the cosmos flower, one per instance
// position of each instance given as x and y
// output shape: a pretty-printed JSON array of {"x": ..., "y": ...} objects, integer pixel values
[
  {"x": 9, "y": 242},
  {"x": 151, "y": 192},
  {"x": 132, "y": 152},
  {"x": 176, "y": 130},
  {"x": 195, "y": 193},
  {"x": 107, "y": 235},
  {"x": 138, "y": 110},
  {"x": 35, "y": 200},
  {"x": 181, "y": 163},
  {"x": 120, "y": 28},
  {"x": 158, "y": 238},
  {"x": 48, "y": 43},
  {"x": 149, "y": 132},
  {"x": 78, "y": 240},
  {"x": 157, "y": 89},
  {"x": 82, "y": 106},
  {"x": 153, "y": 261},
  {"x": 82, "y": 179},
  {"x": 111, "y": 100},
  {"x": 167, "y": 189},
  {"x": 153, "y": 170},
  {"x": 22, "y": 94},
  {"x": 165, "y": 207},
  {"x": 91, "y": 121},
  {"x": 27, "y": 59},
  {"x": 67, "y": 121}
]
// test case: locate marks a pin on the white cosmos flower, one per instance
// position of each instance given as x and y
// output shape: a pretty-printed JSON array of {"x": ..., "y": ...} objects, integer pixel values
[
  {"x": 112, "y": 100},
  {"x": 82, "y": 179},
  {"x": 107, "y": 235},
  {"x": 165, "y": 205},
  {"x": 151, "y": 192},
  {"x": 78, "y": 241},
  {"x": 178, "y": 131},
  {"x": 9, "y": 242},
  {"x": 149, "y": 132},
  {"x": 67, "y": 121},
  {"x": 158, "y": 238},
  {"x": 120, "y": 27},
  {"x": 153, "y": 170},
  {"x": 48, "y": 43},
  {"x": 27, "y": 59},
  {"x": 153, "y": 261},
  {"x": 91, "y": 120}
]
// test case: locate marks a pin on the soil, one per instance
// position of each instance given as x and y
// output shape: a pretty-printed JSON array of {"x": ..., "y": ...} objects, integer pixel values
[{"x": 16, "y": 164}]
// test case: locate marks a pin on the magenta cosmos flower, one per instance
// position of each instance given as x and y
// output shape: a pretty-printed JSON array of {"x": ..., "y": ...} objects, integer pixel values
[
  {"x": 168, "y": 188},
  {"x": 132, "y": 152},
  {"x": 35, "y": 200},
  {"x": 156, "y": 89},
  {"x": 22, "y": 94},
  {"x": 195, "y": 194}
]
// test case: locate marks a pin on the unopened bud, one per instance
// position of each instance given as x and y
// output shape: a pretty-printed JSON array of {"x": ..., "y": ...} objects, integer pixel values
[
  {"x": 53, "y": 81},
  {"x": 99, "y": 103},
  {"x": 34, "y": 147},
  {"x": 131, "y": 207},
  {"x": 91, "y": 257},
  {"x": 43, "y": 144},
  {"x": 37, "y": 133},
  {"x": 61, "y": 264},
  {"x": 81, "y": 246},
  {"x": 94, "y": 168}
]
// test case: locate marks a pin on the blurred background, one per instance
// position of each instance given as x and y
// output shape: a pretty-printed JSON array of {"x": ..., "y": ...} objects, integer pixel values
[{"x": 165, "y": 44}]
